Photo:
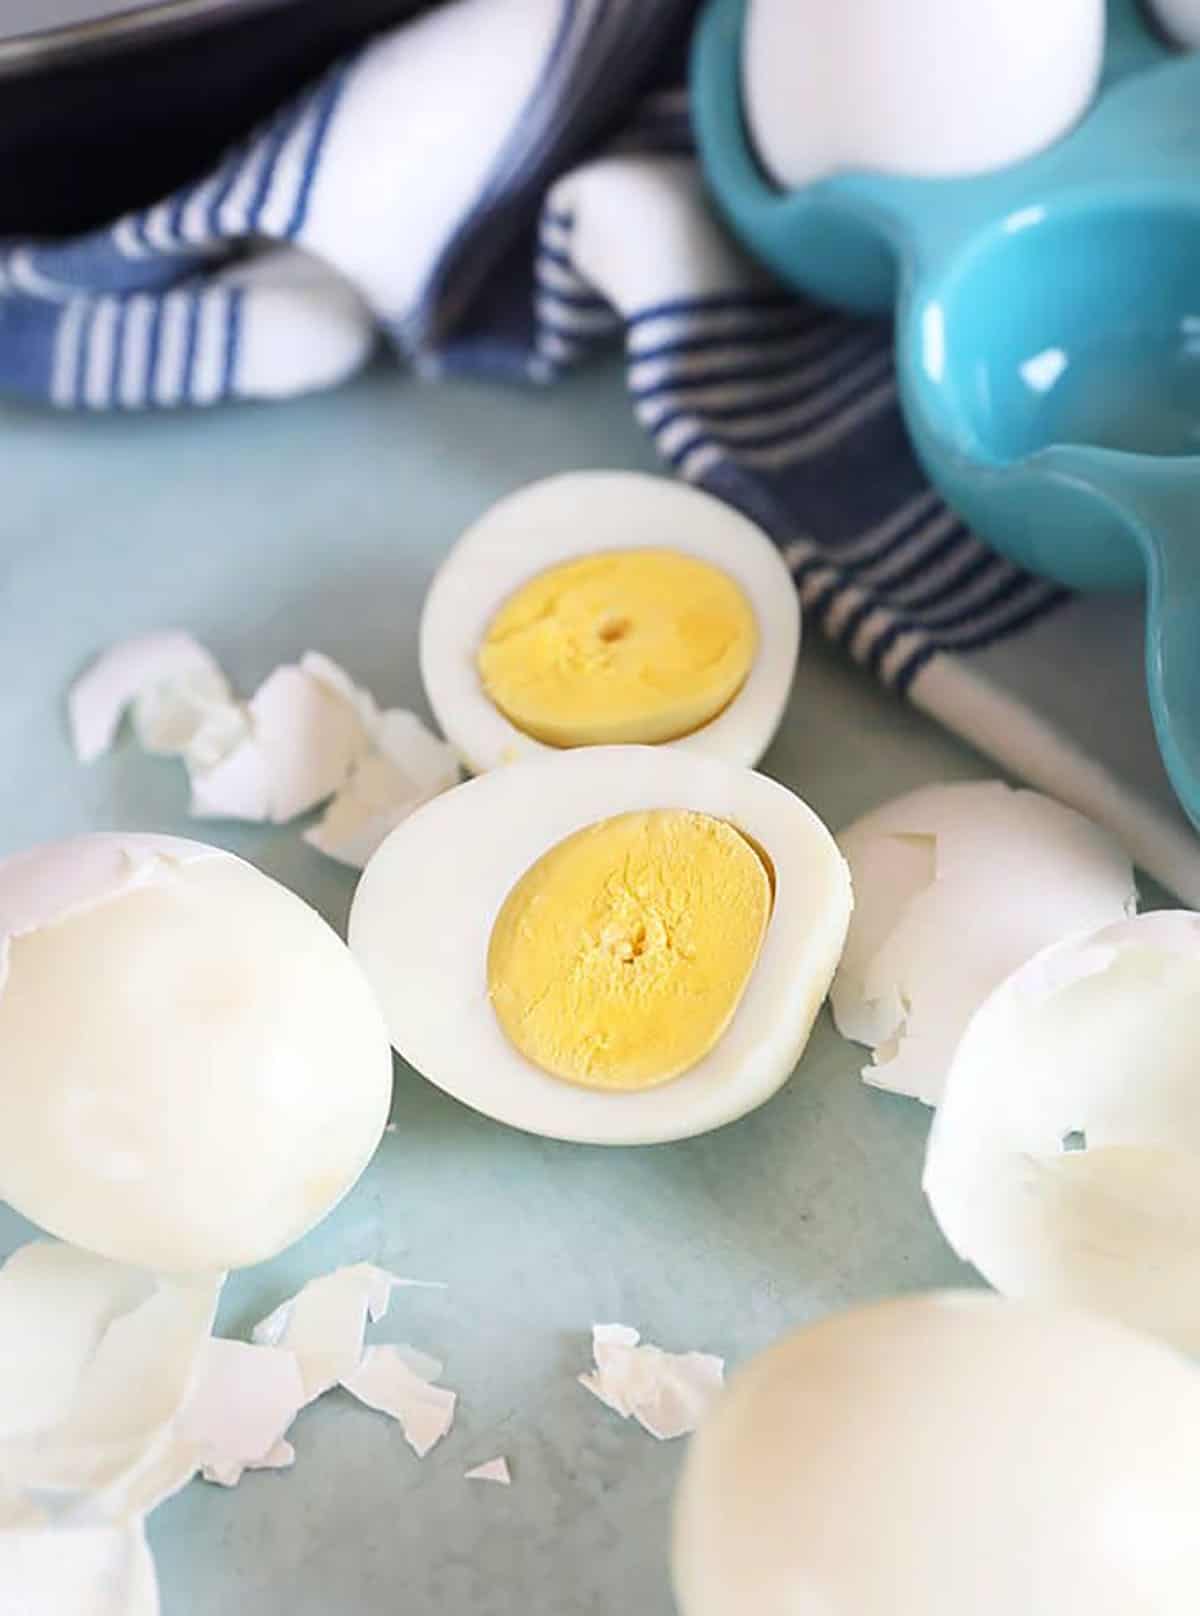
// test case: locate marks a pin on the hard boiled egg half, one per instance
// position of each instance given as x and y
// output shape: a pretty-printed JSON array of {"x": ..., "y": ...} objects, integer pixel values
[
  {"x": 610, "y": 608},
  {"x": 617, "y": 945},
  {"x": 192, "y": 1067}
]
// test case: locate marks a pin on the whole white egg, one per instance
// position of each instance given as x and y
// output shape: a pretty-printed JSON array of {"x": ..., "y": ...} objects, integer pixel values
[
  {"x": 1180, "y": 18},
  {"x": 944, "y": 1455},
  {"x": 922, "y": 87},
  {"x": 192, "y": 1067},
  {"x": 601, "y": 514},
  {"x": 425, "y": 912}
]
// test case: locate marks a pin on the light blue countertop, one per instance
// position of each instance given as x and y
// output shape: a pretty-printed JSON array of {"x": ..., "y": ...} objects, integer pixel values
[{"x": 267, "y": 531}]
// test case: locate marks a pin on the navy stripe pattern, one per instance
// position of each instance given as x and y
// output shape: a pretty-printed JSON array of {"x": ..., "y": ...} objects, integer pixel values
[
  {"x": 130, "y": 317},
  {"x": 790, "y": 412},
  {"x": 786, "y": 410}
]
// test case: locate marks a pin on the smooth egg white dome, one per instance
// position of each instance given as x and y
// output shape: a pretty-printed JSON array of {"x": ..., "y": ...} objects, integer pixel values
[
  {"x": 947, "y": 1455},
  {"x": 423, "y": 915},
  {"x": 585, "y": 513},
  {"x": 1065, "y": 1159},
  {"x": 192, "y": 1067}
]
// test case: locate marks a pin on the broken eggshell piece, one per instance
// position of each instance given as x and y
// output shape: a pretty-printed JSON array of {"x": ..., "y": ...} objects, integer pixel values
[
  {"x": 428, "y": 903},
  {"x": 192, "y": 1067},
  {"x": 1065, "y": 1159},
  {"x": 166, "y": 669},
  {"x": 955, "y": 887},
  {"x": 667, "y": 1393},
  {"x": 99, "y": 1359}
]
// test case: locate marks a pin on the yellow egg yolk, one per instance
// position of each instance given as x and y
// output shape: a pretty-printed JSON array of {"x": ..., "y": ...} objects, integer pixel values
[
  {"x": 618, "y": 959},
  {"x": 627, "y": 647}
]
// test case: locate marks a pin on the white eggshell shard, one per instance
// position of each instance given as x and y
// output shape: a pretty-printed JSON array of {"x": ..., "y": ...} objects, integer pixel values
[
  {"x": 955, "y": 887},
  {"x": 305, "y": 733},
  {"x": 83, "y": 1570},
  {"x": 425, "y": 908},
  {"x": 99, "y": 1359},
  {"x": 192, "y": 1067},
  {"x": 667, "y": 1393},
  {"x": 409, "y": 766},
  {"x": 142, "y": 666},
  {"x": 392, "y": 1380},
  {"x": 240, "y": 1409},
  {"x": 1065, "y": 1160},
  {"x": 323, "y": 1324},
  {"x": 584, "y": 513},
  {"x": 945, "y": 1454}
]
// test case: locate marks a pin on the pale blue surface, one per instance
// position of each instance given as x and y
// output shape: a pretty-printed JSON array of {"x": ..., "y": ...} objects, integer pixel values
[
  {"x": 1086, "y": 256},
  {"x": 267, "y": 531}
]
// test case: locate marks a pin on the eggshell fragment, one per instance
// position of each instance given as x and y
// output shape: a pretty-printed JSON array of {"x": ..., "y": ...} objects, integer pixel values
[
  {"x": 168, "y": 660},
  {"x": 323, "y": 1324},
  {"x": 585, "y": 513},
  {"x": 425, "y": 908},
  {"x": 941, "y": 1455},
  {"x": 955, "y": 887},
  {"x": 244, "y": 1400},
  {"x": 189, "y": 720},
  {"x": 304, "y": 739},
  {"x": 1065, "y": 1160},
  {"x": 167, "y": 1011},
  {"x": 77, "y": 1570},
  {"x": 387, "y": 1381},
  {"x": 493, "y": 1470},
  {"x": 667, "y": 1393},
  {"x": 98, "y": 1361},
  {"x": 408, "y": 766}
]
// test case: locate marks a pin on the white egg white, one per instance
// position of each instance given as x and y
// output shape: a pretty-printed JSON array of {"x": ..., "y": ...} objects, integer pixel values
[
  {"x": 586, "y": 513},
  {"x": 956, "y": 886},
  {"x": 1065, "y": 1158},
  {"x": 943, "y": 1455},
  {"x": 424, "y": 911},
  {"x": 193, "y": 1070}
]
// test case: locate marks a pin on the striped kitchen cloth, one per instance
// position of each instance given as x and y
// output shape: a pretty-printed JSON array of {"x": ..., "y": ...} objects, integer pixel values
[{"x": 501, "y": 187}]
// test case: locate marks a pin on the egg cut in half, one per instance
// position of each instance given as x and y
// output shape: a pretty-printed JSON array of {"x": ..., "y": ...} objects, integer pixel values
[
  {"x": 947, "y": 1455},
  {"x": 610, "y": 608},
  {"x": 619, "y": 945},
  {"x": 193, "y": 1070}
]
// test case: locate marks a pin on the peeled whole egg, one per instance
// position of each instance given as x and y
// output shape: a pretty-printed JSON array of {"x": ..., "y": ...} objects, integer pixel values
[
  {"x": 193, "y": 1070},
  {"x": 617, "y": 945},
  {"x": 1064, "y": 1161},
  {"x": 610, "y": 607},
  {"x": 946, "y": 1454}
]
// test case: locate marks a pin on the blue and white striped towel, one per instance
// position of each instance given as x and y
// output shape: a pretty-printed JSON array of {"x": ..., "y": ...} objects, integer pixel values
[{"x": 499, "y": 188}]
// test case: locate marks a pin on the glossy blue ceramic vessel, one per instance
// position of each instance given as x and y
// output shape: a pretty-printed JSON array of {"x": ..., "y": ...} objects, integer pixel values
[{"x": 1047, "y": 331}]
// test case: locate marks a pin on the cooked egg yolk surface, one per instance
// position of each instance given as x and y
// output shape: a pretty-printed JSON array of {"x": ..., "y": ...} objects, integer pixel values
[
  {"x": 636, "y": 646},
  {"x": 618, "y": 959}
]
